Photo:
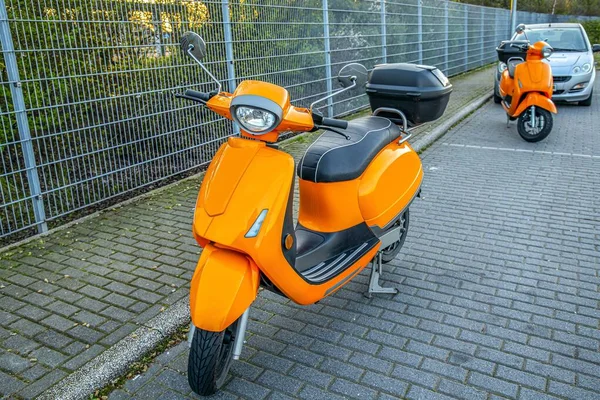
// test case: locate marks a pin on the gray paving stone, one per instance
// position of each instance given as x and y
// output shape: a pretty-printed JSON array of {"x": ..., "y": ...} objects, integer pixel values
[
  {"x": 384, "y": 383},
  {"x": 494, "y": 385},
  {"x": 342, "y": 369},
  {"x": 352, "y": 390},
  {"x": 34, "y": 389},
  {"x": 460, "y": 391},
  {"x": 20, "y": 344},
  {"x": 49, "y": 357},
  {"x": 10, "y": 384},
  {"x": 13, "y": 363},
  {"x": 57, "y": 322},
  {"x": 418, "y": 393},
  {"x": 247, "y": 389},
  {"x": 83, "y": 356},
  {"x": 280, "y": 382},
  {"x": 173, "y": 380}
]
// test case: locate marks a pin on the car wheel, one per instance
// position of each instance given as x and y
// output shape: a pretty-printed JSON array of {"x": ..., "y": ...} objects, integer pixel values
[
  {"x": 587, "y": 102},
  {"x": 497, "y": 99}
]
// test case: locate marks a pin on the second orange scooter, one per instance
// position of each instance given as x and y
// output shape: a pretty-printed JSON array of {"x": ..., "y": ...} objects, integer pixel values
[{"x": 526, "y": 86}]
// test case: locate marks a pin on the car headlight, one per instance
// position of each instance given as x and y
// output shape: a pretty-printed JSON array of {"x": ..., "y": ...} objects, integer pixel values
[
  {"x": 582, "y": 69},
  {"x": 502, "y": 67},
  {"x": 255, "y": 120},
  {"x": 585, "y": 68}
]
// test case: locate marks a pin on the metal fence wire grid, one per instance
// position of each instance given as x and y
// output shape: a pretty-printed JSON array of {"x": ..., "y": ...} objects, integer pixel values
[{"x": 86, "y": 91}]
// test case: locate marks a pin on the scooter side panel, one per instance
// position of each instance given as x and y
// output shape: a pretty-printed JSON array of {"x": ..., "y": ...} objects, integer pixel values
[
  {"x": 329, "y": 207},
  {"x": 389, "y": 184},
  {"x": 224, "y": 285}
]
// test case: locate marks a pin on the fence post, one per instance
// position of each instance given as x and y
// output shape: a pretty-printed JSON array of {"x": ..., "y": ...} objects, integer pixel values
[
  {"x": 231, "y": 80},
  {"x": 446, "y": 3},
  {"x": 482, "y": 36},
  {"x": 383, "y": 33},
  {"x": 420, "y": 29},
  {"x": 466, "y": 8},
  {"x": 327, "y": 57},
  {"x": 16, "y": 91}
]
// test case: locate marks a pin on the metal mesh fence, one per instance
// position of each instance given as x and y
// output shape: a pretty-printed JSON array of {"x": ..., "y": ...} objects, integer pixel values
[{"x": 86, "y": 92}]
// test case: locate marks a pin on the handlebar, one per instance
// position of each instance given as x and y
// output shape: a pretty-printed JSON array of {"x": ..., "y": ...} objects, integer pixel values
[
  {"x": 201, "y": 97},
  {"x": 334, "y": 123}
]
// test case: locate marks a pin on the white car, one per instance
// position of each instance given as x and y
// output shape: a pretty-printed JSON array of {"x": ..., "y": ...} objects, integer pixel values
[{"x": 572, "y": 62}]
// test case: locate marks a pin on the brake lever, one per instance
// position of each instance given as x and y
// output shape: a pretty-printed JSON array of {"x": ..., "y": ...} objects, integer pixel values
[{"x": 327, "y": 128}]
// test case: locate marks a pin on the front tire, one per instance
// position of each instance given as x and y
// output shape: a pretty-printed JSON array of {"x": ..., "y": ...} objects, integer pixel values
[
  {"x": 587, "y": 102},
  {"x": 497, "y": 98},
  {"x": 390, "y": 252},
  {"x": 543, "y": 127},
  {"x": 210, "y": 359}
]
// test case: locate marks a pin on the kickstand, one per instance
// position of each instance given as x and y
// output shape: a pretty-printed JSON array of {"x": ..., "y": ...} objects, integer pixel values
[
  {"x": 374, "y": 286},
  {"x": 507, "y": 121}
]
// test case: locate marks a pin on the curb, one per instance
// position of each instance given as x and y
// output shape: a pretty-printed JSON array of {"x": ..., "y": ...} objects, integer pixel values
[
  {"x": 425, "y": 140},
  {"x": 115, "y": 361}
]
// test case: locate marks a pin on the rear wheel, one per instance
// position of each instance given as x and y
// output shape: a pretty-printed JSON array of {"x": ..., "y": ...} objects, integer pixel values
[
  {"x": 390, "y": 252},
  {"x": 210, "y": 359},
  {"x": 543, "y": 125},
  {"x": 587, "y": 102}
]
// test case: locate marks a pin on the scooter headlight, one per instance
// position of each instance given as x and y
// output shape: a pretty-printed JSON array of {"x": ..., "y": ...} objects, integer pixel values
[
  {"x": 255, "y": 120},
  {"x": 257, "y": 115},
  {"x": 502, "y": 67}
]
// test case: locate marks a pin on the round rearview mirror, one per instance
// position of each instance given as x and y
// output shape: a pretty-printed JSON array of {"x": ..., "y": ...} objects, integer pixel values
[
  {"x": 353, "y": 74},
  {"x": 520, "y": 28},
  {"x": 193, "y": 45}
]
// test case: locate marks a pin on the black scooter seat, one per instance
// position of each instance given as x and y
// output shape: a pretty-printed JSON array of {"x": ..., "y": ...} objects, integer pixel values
[{"x": 333, "y": 158}]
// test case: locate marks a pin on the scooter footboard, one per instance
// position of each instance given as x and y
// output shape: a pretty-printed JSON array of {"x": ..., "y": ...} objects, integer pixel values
[{"x": 223, "y": 287}]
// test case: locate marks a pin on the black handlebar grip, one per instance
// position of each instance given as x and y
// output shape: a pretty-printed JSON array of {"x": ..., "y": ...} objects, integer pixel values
[
  {"x": 201, "y": 96},
  {"x": 335, "y": 123}
]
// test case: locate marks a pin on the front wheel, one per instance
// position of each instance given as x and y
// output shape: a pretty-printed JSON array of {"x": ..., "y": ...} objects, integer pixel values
[
  {"x": 210, "y": 359},
  {"x": 587, "y": 102},
  {"x": 390, "y": 252},
  {"x": 543, "y": 125}
]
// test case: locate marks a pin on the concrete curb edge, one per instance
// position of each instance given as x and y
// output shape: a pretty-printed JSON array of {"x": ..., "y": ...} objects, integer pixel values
[
  {"x": 114, "y": 361},
  {"x": 427, "y": 139}
]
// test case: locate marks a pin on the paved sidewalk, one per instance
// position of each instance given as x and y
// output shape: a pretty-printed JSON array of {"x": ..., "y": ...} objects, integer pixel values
[
  {"x": 499, "y": 287},
  {"x": 67, "y": 297}
]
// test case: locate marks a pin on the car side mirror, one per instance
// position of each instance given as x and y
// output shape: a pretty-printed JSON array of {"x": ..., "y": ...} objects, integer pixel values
[{"x": 596, "y": 48}]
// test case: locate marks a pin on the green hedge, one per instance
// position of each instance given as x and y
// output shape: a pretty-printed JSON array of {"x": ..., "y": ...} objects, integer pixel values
[{"x": 593, "y": 30}]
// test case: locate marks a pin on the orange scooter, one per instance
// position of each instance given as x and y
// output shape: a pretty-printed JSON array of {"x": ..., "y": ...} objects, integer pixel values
[
  {"x": 526, "y": 86},
  {"x": 357, "y": 182}
]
